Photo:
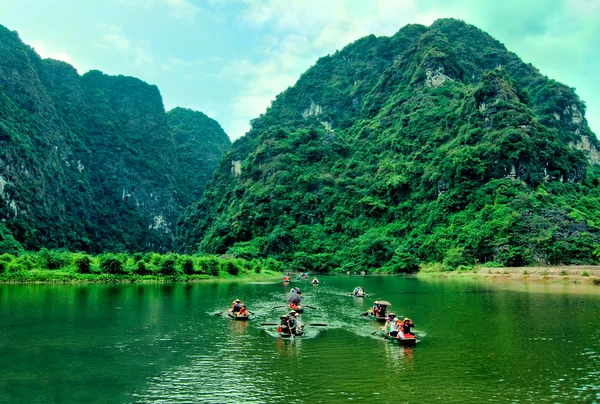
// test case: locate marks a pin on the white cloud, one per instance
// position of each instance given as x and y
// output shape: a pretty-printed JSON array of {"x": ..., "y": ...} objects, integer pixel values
[
  {"x": 44, "y": 51},
  {"x": 177, "y": 9},
  {"x": 115, "y": 37},
  {"x": 182, "y": 9},
  {"x": 143, "y": 57},
  {"x": 301, "y": 32}
]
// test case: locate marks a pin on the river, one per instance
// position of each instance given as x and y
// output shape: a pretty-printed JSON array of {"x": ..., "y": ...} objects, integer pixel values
[{"x": 162, "y": 343}]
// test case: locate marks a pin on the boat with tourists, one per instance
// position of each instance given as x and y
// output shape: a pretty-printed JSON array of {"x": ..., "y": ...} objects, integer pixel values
[
  {"x": 358, "y": 292},
  {"x": 379, "y": 311},
  {"x": 238, "y": 311},
  {"x": 239, "y": 316}
]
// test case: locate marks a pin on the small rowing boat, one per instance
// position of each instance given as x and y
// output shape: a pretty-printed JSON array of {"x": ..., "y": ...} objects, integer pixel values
[
  {"x": 238, "y": 317},
  {"x": 403, "y": 339}
]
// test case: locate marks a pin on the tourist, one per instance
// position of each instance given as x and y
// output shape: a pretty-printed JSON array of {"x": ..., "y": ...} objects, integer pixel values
[{"x": 407, "y": 324}]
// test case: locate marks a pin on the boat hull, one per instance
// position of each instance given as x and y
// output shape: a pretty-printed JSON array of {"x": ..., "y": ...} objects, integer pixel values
[{"x": 239, "y": 318}]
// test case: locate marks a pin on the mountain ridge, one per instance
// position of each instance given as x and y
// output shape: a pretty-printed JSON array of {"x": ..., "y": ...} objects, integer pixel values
[
  {"x": 456, "y": 140},
  {"x": 90, "y": 162}
]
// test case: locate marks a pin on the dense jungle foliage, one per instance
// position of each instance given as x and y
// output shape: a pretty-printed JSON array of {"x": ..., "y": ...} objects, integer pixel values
[
  {"x": 93, "y": 163},
  {"x": 435, "y": 145},
  {"x": 63, "y": 266}
]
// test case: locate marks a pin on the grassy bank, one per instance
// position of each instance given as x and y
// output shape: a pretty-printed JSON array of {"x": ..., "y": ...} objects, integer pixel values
[
  {"x": 583, "y": 274},
  {"x": 59, "y": 267}
]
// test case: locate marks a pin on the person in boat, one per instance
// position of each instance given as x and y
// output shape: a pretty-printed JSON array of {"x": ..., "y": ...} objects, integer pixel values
[
  {"x": 286, "y": 278},
  {"x": 391, "y": 328},
  {"x": 375, "y": 310},
  {"x": 236, "y": 306},
  {"x": 407, "y": 324},
  {"x": 315, "y": 281},
  {"x": 294, "y": 306},
  {"x": 359, "y": 291},
  {"x": 382, "y": 310},
  {"x": 294, "y": 322},
  {"x": 243, "y": 311},
  {"x": 284, "y": 326}
]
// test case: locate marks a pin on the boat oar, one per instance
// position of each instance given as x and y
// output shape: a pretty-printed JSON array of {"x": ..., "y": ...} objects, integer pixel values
[
  {"x": 379, "y": 329},
  {"x": 310, "y": 307},
  {"x": 268, "y": 324},
  {"x": 278, "y": 307},
  {"x": 251, "y": 312},
  {"x": 220, "y": 313},
  {"x": 318, "y": 325},
  {"x": 366, "y": 313}
]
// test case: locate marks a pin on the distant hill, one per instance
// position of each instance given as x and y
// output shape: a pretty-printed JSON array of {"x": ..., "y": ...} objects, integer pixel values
[
  {"x": 93, "y": 162},
  {"x": 434, "y": 145}
]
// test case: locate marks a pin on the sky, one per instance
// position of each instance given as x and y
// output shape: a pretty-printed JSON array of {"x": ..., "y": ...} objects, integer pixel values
[{"x": 230, "y": 58}]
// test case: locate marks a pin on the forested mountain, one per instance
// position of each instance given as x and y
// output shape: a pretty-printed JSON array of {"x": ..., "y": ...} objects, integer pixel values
[
  {"x": 434, "y": 145},
  {"x": 93, "y": 162}
]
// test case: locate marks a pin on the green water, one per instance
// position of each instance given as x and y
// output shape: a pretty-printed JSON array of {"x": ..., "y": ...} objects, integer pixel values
[{"x": 160, "y": 343}]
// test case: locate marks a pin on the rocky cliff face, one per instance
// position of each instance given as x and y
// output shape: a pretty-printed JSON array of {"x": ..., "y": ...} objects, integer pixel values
[{"x": 90, "y": 162}]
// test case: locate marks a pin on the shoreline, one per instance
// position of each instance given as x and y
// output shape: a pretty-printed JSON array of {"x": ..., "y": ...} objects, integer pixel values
[
  {"x": 572, "y": 274},
  {"x": 68, "y": 277}
]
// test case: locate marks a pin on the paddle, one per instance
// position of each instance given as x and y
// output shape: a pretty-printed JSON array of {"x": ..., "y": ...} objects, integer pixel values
[
  {"x": 310, "y": 307},
  {"x": 318, "y": 325},
  {"x": 379, "y": 329},
  {"x": 366, "y": 313},
  {"x": 251, "y": 312},
  {"x": 278, "y": 307},
  {"x": 268, "y": 324}
]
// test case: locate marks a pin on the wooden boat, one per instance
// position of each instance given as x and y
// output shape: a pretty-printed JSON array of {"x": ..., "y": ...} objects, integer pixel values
[
  {"x": 353, "y": 295},
  {"x": 237, "y": 317},
  {"x": 298, "y": 309},
  {"x": 298, "y": 334},
  {"x": 404, "y": 341}
]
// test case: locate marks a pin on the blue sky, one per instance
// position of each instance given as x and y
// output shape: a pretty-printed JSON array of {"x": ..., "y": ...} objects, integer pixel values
[{"x": 230, "y": 58}]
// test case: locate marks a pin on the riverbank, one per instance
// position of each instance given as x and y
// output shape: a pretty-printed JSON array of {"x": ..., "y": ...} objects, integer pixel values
[
  {"x": 50, "y": 276},
  {"x": 576, "y": 274},
  {"x": 48, "y": 266}
]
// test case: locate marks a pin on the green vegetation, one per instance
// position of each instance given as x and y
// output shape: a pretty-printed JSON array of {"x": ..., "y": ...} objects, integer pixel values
[
  {"x": 93, "y": 163},
  {"x": 62, "y": 266},
  {"x": 435, "y": 149}
]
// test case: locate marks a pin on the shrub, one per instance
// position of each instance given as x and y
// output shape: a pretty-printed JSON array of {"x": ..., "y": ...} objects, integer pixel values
[
  {"x": 209, "y": 265},
  {"x": 53, "y": 259},
  {"x": 230, "y": 267},
  {"x": 525, "y": 272},
  {"x": 83, "y": 264},
  {"x": 141, "y": 269},
  {"x": 5, "y": 261},
  {"x": 168, "y": 267},
  {"x": 585, "y": 273},
  {"x": 433, "y": 267},
  {"x": 492, "y": 264},
  {"x": 564, "y": 272},
  {"x": 464, "y": 268},
  {"x": 188, "y": 266},
  {"x": 454, "y": 257},
  {"x": 271, "y": 264},
  {"x": 544, "y": 272},
  {"x": 27, "y": 261},
  {"x": 111, "y": 264}
]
